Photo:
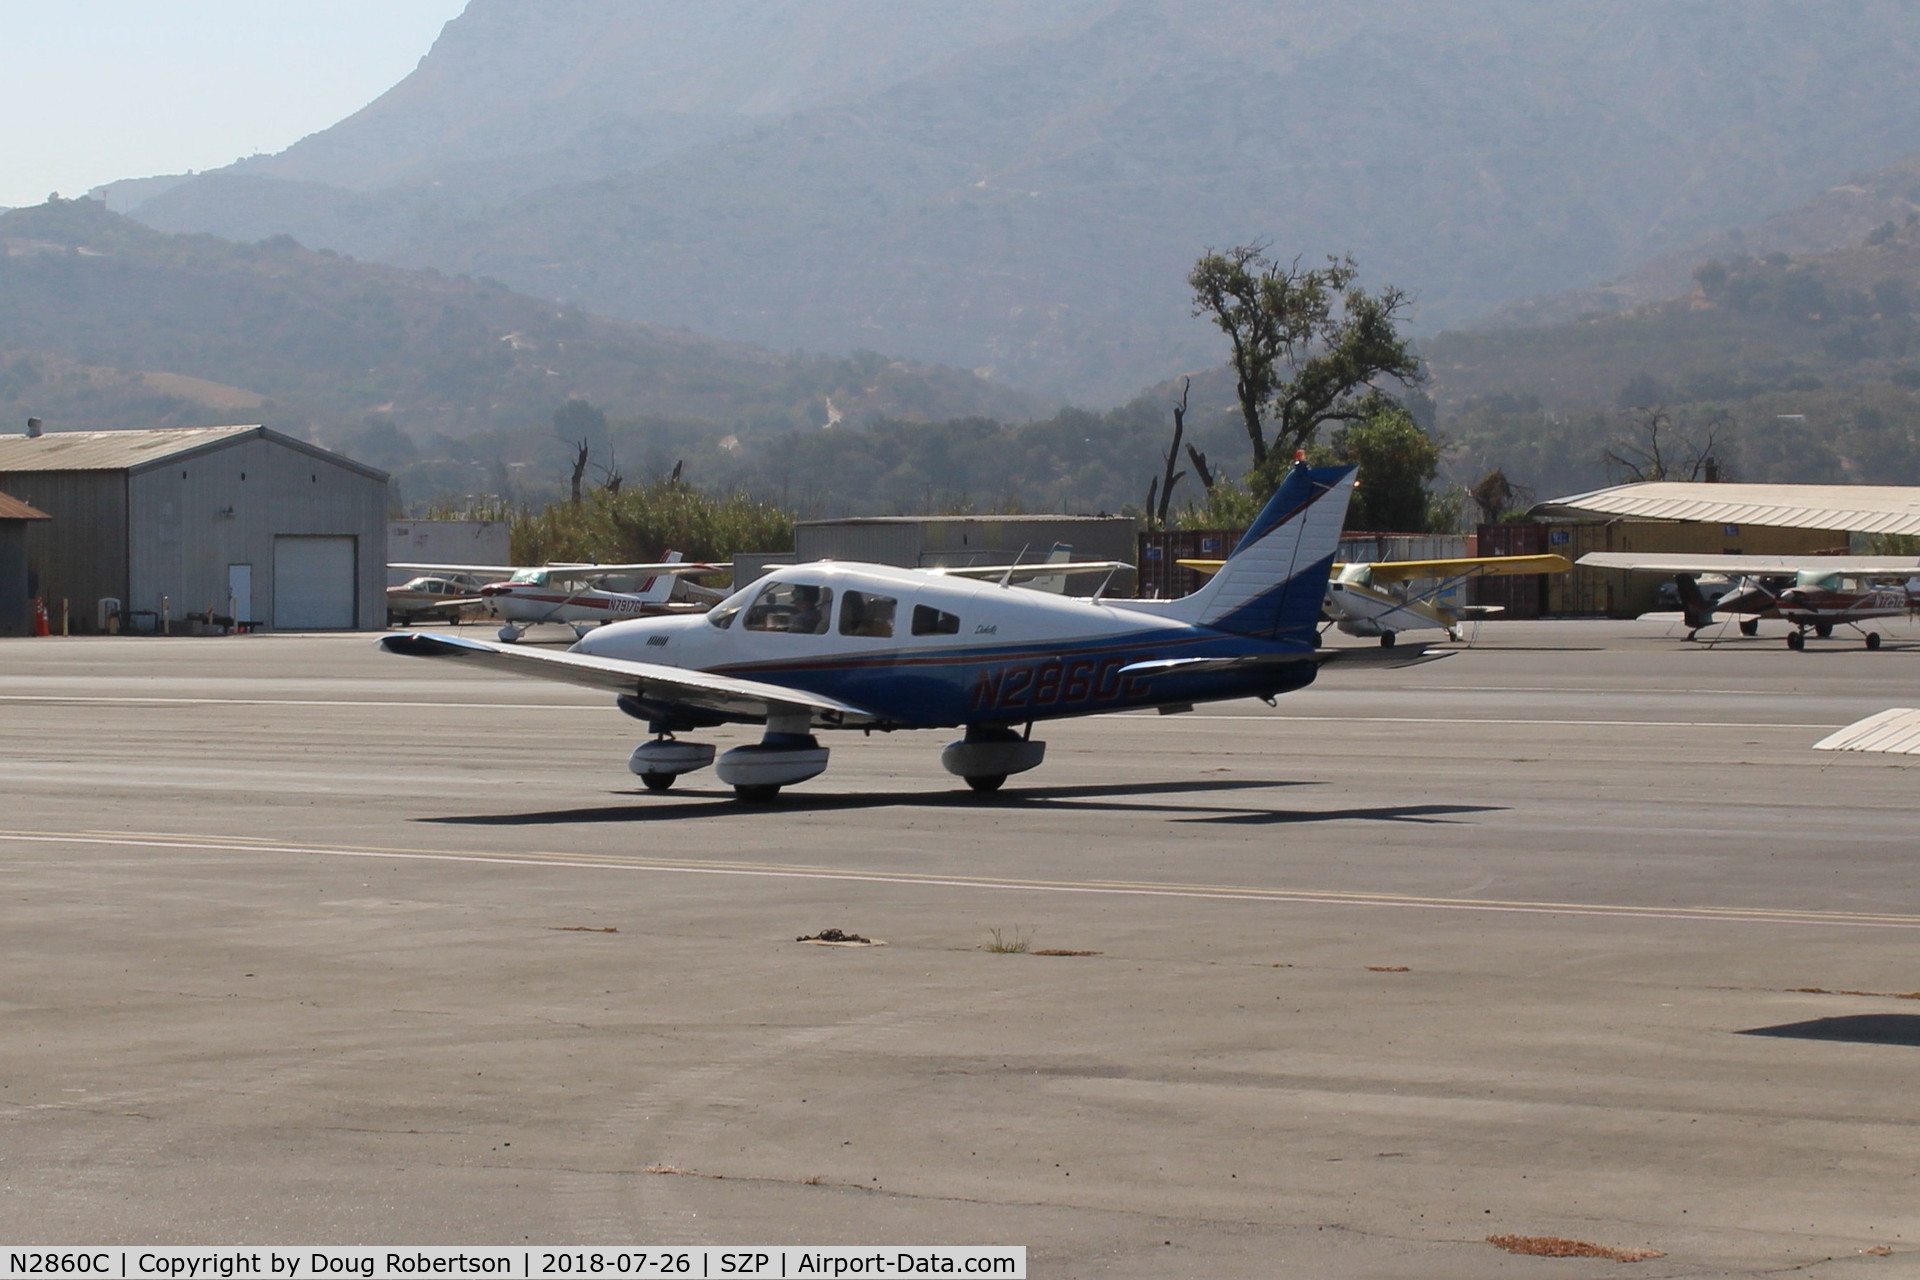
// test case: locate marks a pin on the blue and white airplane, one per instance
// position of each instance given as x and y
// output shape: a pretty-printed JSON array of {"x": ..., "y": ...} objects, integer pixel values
[{"x": 858, "y": 646}]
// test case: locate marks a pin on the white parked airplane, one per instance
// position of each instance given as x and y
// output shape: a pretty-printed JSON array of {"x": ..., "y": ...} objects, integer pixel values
[
  {"x": 858, "y": 646},
  {"x": 1811, "y": 593},
  {"x": 1386, "y": 597},
  {"x": 586, "y": 595}
]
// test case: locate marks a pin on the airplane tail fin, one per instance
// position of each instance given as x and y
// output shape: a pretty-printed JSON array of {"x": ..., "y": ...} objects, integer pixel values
[
  {"x": 659, "y": 588},
  {"x": 1274, "y": 580},
  {"x": 1693, "y": 602}
]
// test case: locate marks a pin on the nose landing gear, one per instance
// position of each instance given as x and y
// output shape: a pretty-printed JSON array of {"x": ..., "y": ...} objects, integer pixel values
[{"x": 659, "y": 762}]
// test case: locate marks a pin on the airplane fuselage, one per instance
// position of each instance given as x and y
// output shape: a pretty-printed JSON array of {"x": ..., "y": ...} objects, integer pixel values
[
  {"x": 925, "y": 651},
  {"x": 526, "y": 603},
  {"x": 1813, "y": 606}
]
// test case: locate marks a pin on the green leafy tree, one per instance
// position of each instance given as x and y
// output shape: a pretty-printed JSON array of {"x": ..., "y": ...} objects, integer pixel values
[
  {"x": 1396, "y": 459},
  {"x": 1307, "y": 344},
  {"x": 642, "y": 524}
]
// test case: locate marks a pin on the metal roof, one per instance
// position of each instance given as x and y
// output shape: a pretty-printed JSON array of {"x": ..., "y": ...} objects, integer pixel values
[
  {"x": 1850, "y": 508},
  {"x": 14, "y": 509},
  {"x": 137, "y": 450}
]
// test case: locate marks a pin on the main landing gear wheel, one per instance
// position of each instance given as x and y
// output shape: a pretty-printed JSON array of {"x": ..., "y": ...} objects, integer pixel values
[
  {"x": 756, "y": 793},
  {"x": 509, "y": 634},
  {"x": 985, "y": 782},
  {"x": 1386, "y": 639},
  {"x": 1873, "y": 639},
  {"x": 1796, "y": 640},
  {"x": 657, "y": 781},
  {"x": 1750, "y": 626},
  {"x": 1823, "y": 629}
]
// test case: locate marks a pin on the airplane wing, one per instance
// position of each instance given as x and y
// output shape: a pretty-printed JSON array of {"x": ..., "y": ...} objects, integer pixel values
[
  {"x": 647, "y": 681},
  {"x": 473, "y": 569},
  {"x": 569, "y": 570},
  {"x": 1751, "y": 566},
  {"x": 448, "y": 607},
  {"x": 672, "y": 568},
  {"x": 1468, "y": 567},
  {"x": 1015, "y": 572},
  {"x": 1465, "y": 567}
]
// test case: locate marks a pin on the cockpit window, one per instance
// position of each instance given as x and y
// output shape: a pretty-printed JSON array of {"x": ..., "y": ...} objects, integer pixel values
[
  {"x": 722, "y": 614},
  {"x": 928, "y": 621},
  {"x": 531, "y": 577},
  {"x": 799, "y": 608},
  {"x": 865, "y": 614}
]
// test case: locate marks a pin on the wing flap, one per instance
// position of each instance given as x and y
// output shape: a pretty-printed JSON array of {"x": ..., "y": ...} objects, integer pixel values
[{"x": 648, "y": 681}]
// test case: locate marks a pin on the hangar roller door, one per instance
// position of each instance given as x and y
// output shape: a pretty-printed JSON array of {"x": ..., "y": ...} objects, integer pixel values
[{"x": 313, "y": 584}]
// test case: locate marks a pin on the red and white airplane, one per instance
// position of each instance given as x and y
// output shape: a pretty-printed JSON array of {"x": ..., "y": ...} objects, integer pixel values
[
  {"x": 584, "y": 596},
  {"x": 872, "y": 647},
  {"x": 1811, "y": 593}
]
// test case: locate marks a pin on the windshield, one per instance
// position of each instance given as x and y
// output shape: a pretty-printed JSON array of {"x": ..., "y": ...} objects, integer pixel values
[
  {"x": 532, "y": 577},
  {"x": 722, "y": 614}
]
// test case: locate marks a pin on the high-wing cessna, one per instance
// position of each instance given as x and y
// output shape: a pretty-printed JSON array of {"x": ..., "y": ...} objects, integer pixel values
[
  {"x": 1384, "y": 598},
  {"x": 438, "y": 597},
  {"x": 585, "y": 595},
  {"x": 858, "y": 646},
  {"x": 1811, "y": 593}
]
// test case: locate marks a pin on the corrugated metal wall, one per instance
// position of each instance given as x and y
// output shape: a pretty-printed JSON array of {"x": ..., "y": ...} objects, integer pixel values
[
  {"x": 196, "y": 516},
  {"x": 861, "y": 541},
  {"x": 446, "y": 542},
  {"x": 1160, "y": 550},
  {"x": 933, "y": 541},
  {"x": 16, "y": 612},
  {"x": 80, "y": 554}
]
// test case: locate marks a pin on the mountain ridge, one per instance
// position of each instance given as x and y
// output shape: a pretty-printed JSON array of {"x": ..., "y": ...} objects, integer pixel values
[{"x": 1028, "y": 197}]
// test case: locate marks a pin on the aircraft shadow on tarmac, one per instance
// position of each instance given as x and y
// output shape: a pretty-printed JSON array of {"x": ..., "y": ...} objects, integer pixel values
[
  {"x": 719, "y": 803},
  {"x": 1859, "y": 1028}
]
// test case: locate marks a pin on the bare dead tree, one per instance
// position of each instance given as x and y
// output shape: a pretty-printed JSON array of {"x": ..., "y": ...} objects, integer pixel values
[
  {"x": 1658, "y": 451},
  {"x": 1170, "y": 477},
  {"x": 1493, "y": 494},
  {"x": 581, "y": 452},
  {"x": 1200, "y": 468}
]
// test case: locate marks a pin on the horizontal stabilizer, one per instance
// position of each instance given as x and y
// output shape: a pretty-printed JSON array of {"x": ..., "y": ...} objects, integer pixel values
[
  {"x": 1208, "y": 666},
  {"x": 1398, "y": 656},
  {"x": 1895, "y": 731}
]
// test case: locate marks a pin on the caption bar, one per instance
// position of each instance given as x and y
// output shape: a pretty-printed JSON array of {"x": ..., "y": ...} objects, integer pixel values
[{"x": 1009, "y": 1262}]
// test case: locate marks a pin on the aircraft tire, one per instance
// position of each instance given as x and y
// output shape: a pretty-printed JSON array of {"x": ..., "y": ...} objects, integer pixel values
[
  {"x": 1386, "y": 639},
  {"x": 1873, "y": 639},
  {"x": 1750, "y": 626},
  {"x": 508, "y": 635},
  {"x": 1796, "y": 640},
  {"x": 985, "y": 782},
  {"x": 1823, "y": 629},
  {"x": 758, "y": 793},
  {"x": 658, "y": 781}
]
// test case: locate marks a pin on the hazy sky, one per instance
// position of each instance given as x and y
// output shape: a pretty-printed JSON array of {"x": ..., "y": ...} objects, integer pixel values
[{"x": 103, "y": 89}]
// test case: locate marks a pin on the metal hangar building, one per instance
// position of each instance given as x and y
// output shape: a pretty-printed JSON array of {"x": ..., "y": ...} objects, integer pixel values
[{"x": 240, "y": 522}]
